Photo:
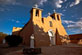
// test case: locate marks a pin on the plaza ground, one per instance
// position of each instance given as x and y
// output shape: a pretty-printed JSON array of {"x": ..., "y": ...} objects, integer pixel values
[{"x": 70, "y": 49}]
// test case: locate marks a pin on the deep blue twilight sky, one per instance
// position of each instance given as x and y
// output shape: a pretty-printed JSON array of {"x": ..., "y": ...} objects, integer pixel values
[{"x": 17, "y": 13}]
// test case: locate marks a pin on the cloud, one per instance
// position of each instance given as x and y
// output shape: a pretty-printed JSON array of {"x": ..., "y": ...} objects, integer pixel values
[
  {"x": 64, "y": 10},
  {"x": 81, "y": 18},
  {"x": 9, "y": 2},
  {"x": 17, "y": 21},
  {"x": 76, "y": 31},
  {"x": 58, "y": 3},
  {"x": 42, "y": 1},
  {"x": 26, "y": 3},
  {"x": 72, "y": 16},
  {"x": 65, "y": 0},
  {"x": 13, "y": 20},
  {"x": 22, "y": 2},
  {"x": 77, "y": 25},
  {"x": 6, "y": 2},
  {"x": 67, "y": 5},
  {"x": 1, "y": 9},
  {"x": 67, "y": 21},
  {"x": 61, "y": 14},
  {"x": 72, "y": 26},
  {"x": 75, "y": 3}
]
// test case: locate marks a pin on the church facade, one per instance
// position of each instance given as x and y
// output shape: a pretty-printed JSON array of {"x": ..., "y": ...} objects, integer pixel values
[{"x": 42, "y": 31}]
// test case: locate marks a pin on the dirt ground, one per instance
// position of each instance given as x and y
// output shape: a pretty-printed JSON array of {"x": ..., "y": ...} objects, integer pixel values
[{"x": 70, "y": 49}]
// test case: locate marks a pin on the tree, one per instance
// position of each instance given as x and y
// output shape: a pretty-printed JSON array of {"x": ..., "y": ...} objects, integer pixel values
[
  {"x": 13, "y": 40},
  {"x": 2, "y": 34}
]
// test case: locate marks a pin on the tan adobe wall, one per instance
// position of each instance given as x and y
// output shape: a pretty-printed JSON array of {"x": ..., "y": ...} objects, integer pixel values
[
  {"x": 76, "y": 38},
  {"x": 37, "y": 20},
  {"x": 26, "y": 32},
  {"x": 42, "y": 26},
  {"x": 16, "y": 30}
]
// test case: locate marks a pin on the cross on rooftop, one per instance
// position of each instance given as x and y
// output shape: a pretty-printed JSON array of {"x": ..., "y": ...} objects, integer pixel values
[
  {"x": 49, "y": 14},
  {"x": 54, "y": 10},
  {"x": 36, "y": 6}
]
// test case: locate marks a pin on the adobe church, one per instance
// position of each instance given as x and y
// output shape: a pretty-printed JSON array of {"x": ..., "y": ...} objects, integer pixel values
[{"x": 42, "y": 31}]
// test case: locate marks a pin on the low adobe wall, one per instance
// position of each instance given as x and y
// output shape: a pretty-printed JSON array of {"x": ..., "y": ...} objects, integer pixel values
[{"x": 76, "y": 38}]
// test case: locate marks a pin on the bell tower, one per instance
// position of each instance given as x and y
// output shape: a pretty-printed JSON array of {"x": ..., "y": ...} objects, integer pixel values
[
  {"x": 36, "y": 13},
  {"x": 56, "y": 16}
]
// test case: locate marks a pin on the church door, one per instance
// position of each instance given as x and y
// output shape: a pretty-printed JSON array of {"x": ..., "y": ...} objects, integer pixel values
[{"x": 52, "y": 37}]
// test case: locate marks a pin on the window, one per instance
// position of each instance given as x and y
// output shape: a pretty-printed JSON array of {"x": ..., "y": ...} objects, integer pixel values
[
  {"x": 53, "y": 17},
  {"x": 37, "y": 12},
  {"x": 42, "y": 20},
  {"x": 50, "y": 23},
  {"x": 58, "y": 17}
]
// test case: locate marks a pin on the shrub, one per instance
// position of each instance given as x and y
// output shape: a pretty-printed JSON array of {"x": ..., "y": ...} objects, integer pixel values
[{"x": 13, "y": 40}]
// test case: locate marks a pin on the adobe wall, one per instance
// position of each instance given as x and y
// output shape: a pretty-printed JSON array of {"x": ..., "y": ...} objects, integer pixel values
[
  {"x": 76, "y": 38},
  {"x": 41, "y": 27},
  {"x": 16, "y": 30},
  {"x": 26, "y": 32}
]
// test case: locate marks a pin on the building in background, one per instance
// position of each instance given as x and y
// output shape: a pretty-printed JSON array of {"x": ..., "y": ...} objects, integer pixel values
[
  {"x": 76, "y": 38},
  {"x": 2, "y": 37}
]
